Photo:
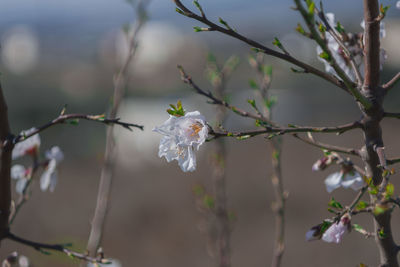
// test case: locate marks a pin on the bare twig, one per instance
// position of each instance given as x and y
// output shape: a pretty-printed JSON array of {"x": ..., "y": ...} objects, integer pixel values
[
  {"x": 344, "y": 150},
  {"x": 390, "y": 84},
  {"x": 391, "y": 115},
  {"x": 63, "y": 118},
  {"x": 42, "y": 247},
  {"x": 214, "y": 27},
  {"x": 110, "y": 153}
]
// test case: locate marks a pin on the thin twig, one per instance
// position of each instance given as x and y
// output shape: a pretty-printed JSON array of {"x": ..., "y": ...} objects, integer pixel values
[
  {"x": 72, "y": 117},
  {"x": 106, "y": 177},
  {"x": 214, "y": 27},
  {"x": 391, "y": 115},
  {"x": 390, "y": 84},
  {"x": 42, "y": 247},
  {"x": 344, "y": 150}
]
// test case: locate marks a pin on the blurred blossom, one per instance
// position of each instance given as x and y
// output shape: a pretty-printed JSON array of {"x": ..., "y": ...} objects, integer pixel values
[
  {"x": 398, "y": 5},
  {"x": 19, "y": 173},
  {"x": 335, "y": 233},
  {"x": 181, "y": 136},
  {"x": 23, "y": 261},
  {"x": 20, "y": 49},
  {"x": 344, "y": 179},
  {"x": 29, "y": 146},
  {"x": 48, "y": 180},
  {"x": 322, "y": 163}
]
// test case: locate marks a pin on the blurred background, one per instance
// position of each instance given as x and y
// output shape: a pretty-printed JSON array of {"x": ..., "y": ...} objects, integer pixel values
[{"x": 66, "y": 52}]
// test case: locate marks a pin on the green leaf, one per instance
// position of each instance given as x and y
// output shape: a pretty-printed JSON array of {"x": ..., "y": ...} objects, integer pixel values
[
  {"x": 196, "y": 3},
  {"x": 325, "y": 56},
  {"x": 361, "y": 205},
  {"x": 198, "y": 190},
  {"x": 197, "y": 29},
  {"x": 334, "y": 204},
  {"x": 253, "y": 84},
  {"x": 257, "y": 50},
  {"x": 180, "y": 11},
  {"x": 243, "y": 137},
  {"x": 277, "y": 43},
  {"x": 378, "y": 209},
  {"x": 389, "y": 190},
  {"x": 177, "y": 110},
  {"x": 324, "y": 226},
  {"x": 383, "y": 9},
  {"x": 311, "y": 7},
  {"x": 382, "y": 233},
  {"x": 276, "y": 154},
  {"x": 340, "y": 28},
  {"x": 270, "y": 102},
  {"x": 321, "y": 28},
  {"x": 252, "y": 102},
  {"x": 74, "y": 122},
  {"x": 267, "y": 70},
  {"x": 300, "y": 29},
  {"x": 209, "y": 201}
]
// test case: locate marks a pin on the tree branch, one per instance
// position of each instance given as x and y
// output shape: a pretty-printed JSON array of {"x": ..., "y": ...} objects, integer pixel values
[
  {"x": 63, "y": 118},
  {"x": 344, "y": 150},
  {"x": 42, "y": 247},
  {"x": 214, "y": 27},
  {"x": 390, "y": 84},
  {"x": 5, "y": 167},
  {"x": 106, "y": 177}
]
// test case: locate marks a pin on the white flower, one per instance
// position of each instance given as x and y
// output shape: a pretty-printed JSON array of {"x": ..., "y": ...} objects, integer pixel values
[
  {"x": 313, "y": 234},
  {"x": 49, "y": 177},
  {"x": 398, "y": 5},
  {"x": 334, "y": 234},
  {"x": 181, "y": 136},
  {"x": 28, "y": 146},
  {"x": 19, "y": 173},
  {"x": 350, "y": 179}
]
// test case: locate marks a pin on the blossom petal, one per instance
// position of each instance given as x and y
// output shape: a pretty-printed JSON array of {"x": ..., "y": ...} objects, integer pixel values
[
  {"x": 18, "y": 171},
  {"x": 353, "y": 181},
  {"x": 55, "y": 153},
  {"x": 45, "y": 179},
  {"x": 168, "y": 148},
  {"x": 23, "y": 147},
  {"x": 20, "y": 185},
  {"x": 187, "y": 161},
  {"x": 333, "y": 181},
  {"x": 334, "y": 234}
]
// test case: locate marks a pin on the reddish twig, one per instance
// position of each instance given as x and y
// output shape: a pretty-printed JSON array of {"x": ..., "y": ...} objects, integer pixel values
[{"x": 390, "y": 84}]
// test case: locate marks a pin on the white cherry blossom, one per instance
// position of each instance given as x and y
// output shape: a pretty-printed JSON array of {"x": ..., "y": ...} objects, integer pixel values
[
  {"x": 49, "y": 177},
  {"x": 398, "y": 5},
  {"x": 28, "y": 146},
  {"x": 335, "y": 232},
  {"x": 181, "y": 136},
  {"x": 19, "y": 173},
  {"x": 344, "y": 179}
]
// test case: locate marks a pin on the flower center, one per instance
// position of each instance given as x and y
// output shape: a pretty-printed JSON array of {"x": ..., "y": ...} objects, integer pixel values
[{"x": 196, "y": 128}]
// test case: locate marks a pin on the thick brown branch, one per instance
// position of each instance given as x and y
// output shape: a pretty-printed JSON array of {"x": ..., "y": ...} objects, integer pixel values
[
  {"x": 5, "y": 167},
  {"x": 55, "y": 247},
  {"x": 214, "y": 27}
]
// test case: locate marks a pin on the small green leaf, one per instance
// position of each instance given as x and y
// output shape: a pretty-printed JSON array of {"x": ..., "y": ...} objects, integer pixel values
[
  {"x": 267, "y": 70},
  {"x": 243, "y": 137},
  {"x": 311, "y": 7},
  {"x": 325, "y": 225},
  {"x": 257, "y": 50},
  {"x": 209, "y": 201},
  {"x": 198, "y": 190},
  {"x": 276, "y": 154},
  {"x": 378, "y": 209},
  {"x": 197, "y": 29},
  {"x": 253, "y": 84},
  {"x": 74, "y": 122},
  {"x": 321, "y": 28},
  {"x": 180, "y": 11},
  {"x": 334, "y": 204},
  {"x": 382, "y": 233},
  {"x": 232, "y": 216},
  {"x": 325, "y": 56},
  {"x": 383, "y": 9},
  {"x": 340, "y": 28},
  {"x": 389, "y": 190},
  {"x": 277, "y": 43},
  {"x": 300, "y": 29},
  {"x": 252, "y": 102},
  {"x": 361, "y": 205}
]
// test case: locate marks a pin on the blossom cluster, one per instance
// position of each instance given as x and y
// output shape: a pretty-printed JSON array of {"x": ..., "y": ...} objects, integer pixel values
[{"x": 30, "y": 146}]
